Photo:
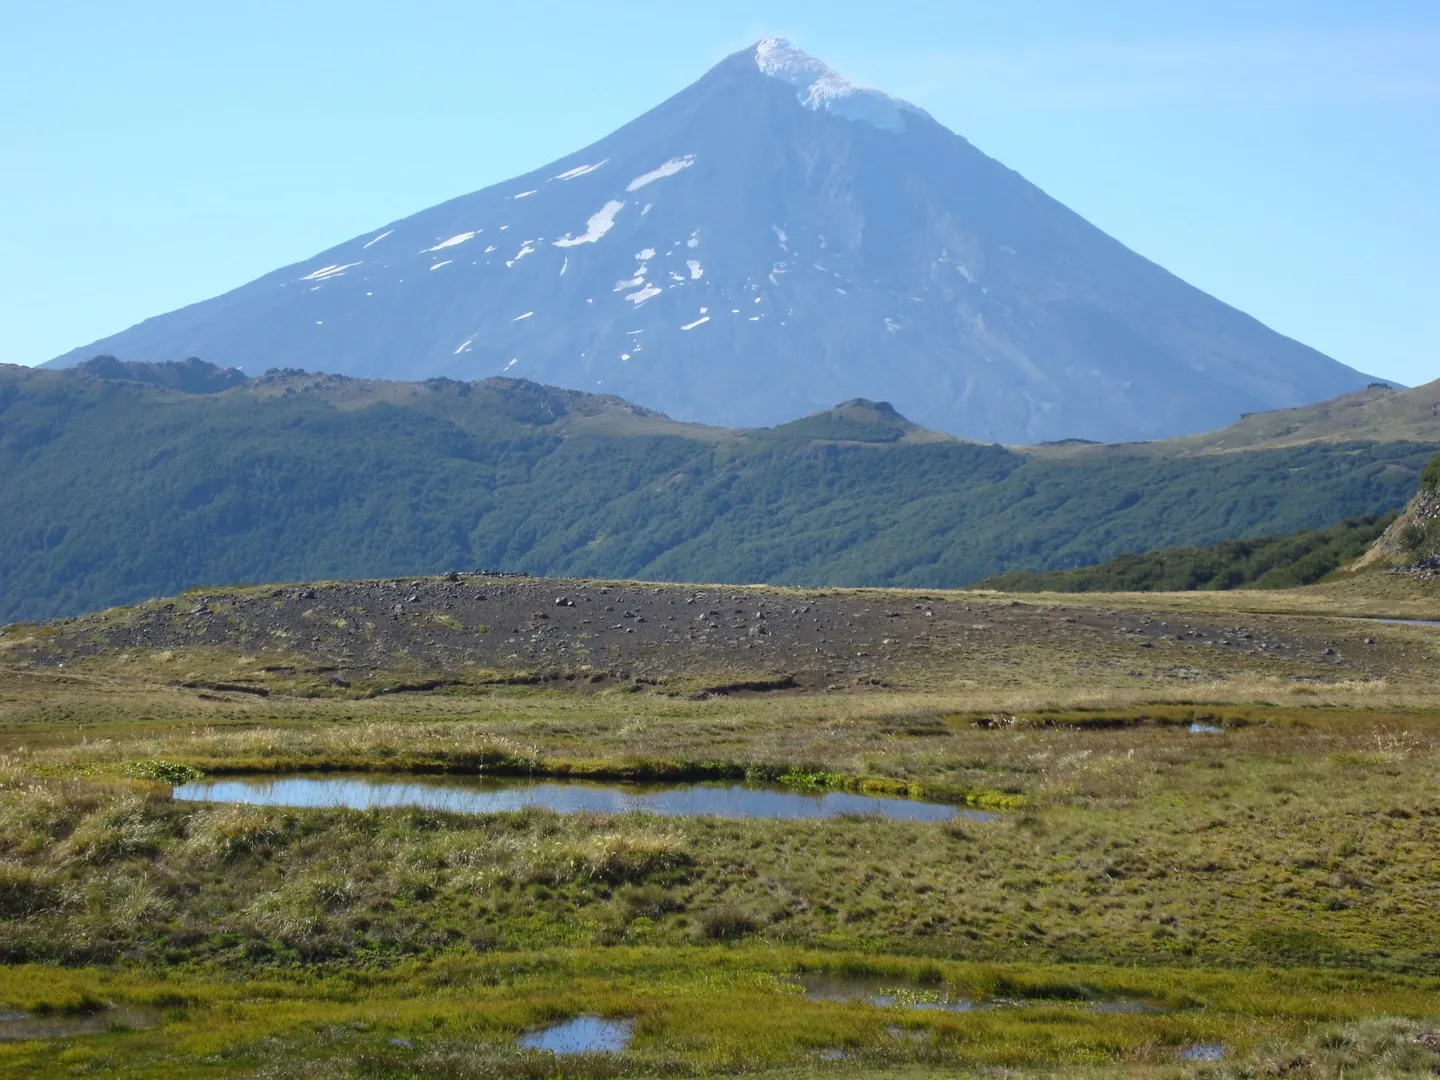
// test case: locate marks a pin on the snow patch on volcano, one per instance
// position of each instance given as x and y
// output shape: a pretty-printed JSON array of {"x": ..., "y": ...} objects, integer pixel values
[
  {"x": 458, "y": 238},
  {"x": 638, "y": 298},
  {"x": 327, "y": 272},
  {"x": 819, "y": 88},
  {"x": 670, "y": 168},
  {"x": 601, "y": 222},
  {"x": 579, "y": 170}
]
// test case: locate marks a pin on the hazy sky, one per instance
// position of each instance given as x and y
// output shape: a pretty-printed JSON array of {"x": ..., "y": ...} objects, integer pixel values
[{"x": 1282, "y": 156}]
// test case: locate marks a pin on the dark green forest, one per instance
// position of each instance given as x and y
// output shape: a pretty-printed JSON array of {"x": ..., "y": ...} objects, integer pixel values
[
  {"x": 114, "y": 489},
  {"x": 1271, "y": 562}
]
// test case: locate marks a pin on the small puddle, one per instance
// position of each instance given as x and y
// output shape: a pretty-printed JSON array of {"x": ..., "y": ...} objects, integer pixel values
[
  {"x": 899, "y": 993},
  {"x": 887, "y": 993},
  {"x": 1205, "y": 729},
  {"x": 582, "y": 1035},
  {"x": 1203, "y": 1052},
  {"x": 1128, "y": 1006},
  {"x": 18, "y": 1027},
  {"x": 476, "y": 795},
  {"x": 916, "y": 1036},
  {"x": 1409, "y": 622}
]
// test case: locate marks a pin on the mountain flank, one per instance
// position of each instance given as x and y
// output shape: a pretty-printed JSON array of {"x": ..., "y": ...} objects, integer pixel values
[
  {"x": 117, "y": 488},
  {"x": 769, "y": 241},
  {"x": 1270, "y": 562}
]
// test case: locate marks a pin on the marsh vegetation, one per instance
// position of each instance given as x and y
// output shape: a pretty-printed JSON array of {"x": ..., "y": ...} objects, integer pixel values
[{"x": 1242, "y": 859}]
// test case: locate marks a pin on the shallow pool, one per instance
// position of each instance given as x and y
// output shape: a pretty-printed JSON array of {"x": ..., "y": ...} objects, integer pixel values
[
  {"x": 582, "y": 1035},
  {"x": 887, "y": 993},
  {"x": 18, "y": 1027},
  {"x": 483, "y": 795}
]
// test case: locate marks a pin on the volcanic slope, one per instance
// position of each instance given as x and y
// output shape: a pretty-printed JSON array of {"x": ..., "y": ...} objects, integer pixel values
[{"x": 769, "y": 241}]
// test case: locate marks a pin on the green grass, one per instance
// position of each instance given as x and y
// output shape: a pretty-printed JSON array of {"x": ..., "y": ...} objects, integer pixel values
[{"x": 694, "y": 1010}]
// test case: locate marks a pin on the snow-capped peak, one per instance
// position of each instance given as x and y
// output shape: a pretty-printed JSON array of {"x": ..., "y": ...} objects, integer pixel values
[{"x": 818, "y": 87}]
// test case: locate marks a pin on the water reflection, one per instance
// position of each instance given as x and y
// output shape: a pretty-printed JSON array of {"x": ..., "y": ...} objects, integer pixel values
[
  {"x": 582, "y": 1035},
  {"x": 1203, "y": 1052},
  {"x": 889, "y": 992},
  {"x": 886, "y": 992},
  {"x": 476, "y": 795}
]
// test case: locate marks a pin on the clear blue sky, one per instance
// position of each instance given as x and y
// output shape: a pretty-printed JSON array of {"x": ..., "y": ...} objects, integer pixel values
[{"x": 1284, "y": 156}]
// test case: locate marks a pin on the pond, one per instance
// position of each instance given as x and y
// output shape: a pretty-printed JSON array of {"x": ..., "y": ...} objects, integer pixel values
[
  {"x": 582, "y": 1035},
  {"x": 485, "y": 795},
  {"x": 18, "y": 1027}
]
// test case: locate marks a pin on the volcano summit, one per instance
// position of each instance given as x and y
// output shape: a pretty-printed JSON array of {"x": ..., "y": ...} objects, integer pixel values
[{"x": 769, "y": 241}]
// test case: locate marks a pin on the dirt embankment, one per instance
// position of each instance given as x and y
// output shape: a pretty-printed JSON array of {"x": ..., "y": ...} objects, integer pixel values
[{"x": 720, "y": 639}]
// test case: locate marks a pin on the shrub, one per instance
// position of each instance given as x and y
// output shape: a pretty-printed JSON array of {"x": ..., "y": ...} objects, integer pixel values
[
  {"x": 1381, "y": 1048},
  {"x": 648, "y": 901},
  {"x": 1430, "y": 478},
  {"x": 231, "y": 832},
  {"x": 26, "y": 891},
  {"x": 617, "y": 857},
  {"x": 116, "y": 830},
  {"x": 727, "y": 921},
  {"x": 166, "y": 772}
]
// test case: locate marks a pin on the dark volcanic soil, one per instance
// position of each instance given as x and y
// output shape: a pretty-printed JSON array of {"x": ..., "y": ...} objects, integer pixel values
[{"x": 738, "y": 638}]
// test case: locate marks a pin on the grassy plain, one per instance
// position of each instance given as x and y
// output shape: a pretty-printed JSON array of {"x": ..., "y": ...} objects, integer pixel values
[{"x": 1269, "y": 886}]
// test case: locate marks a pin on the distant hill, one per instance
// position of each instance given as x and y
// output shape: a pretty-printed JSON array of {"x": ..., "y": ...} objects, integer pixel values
[
  {"x": 1273, "y": 562},
  {"x": 191, "y": 375},
  {"x": 116, "y": 484},
  {"x": 770, "y": 240},
  {"x": 1379, "y": 412}
]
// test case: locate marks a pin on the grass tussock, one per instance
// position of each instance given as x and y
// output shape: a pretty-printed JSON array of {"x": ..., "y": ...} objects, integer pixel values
[{"x": 1380, "y": 1048}]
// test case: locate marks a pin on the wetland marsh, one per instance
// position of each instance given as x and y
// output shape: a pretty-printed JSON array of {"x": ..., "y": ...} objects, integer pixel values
[{"x": 1244, "y": 857}]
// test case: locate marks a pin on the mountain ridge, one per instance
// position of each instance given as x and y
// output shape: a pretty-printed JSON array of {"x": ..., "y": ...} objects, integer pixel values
[
  {"x": 745, "y": 253},
  {"x": 117, "y": 489},
  {"x": 1380, "y": 412}
]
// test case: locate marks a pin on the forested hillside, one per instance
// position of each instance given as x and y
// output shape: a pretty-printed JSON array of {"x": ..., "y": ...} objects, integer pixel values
[
  {"x": 1269, "y": 562},
  {"x": 114, "y": 489}
]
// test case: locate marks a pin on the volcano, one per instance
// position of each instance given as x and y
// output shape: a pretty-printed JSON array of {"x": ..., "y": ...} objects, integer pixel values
[{"x": 770, "y": 241}]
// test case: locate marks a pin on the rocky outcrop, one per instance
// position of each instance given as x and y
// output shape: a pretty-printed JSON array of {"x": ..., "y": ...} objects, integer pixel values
[{"x": 1413, "y": 541}]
